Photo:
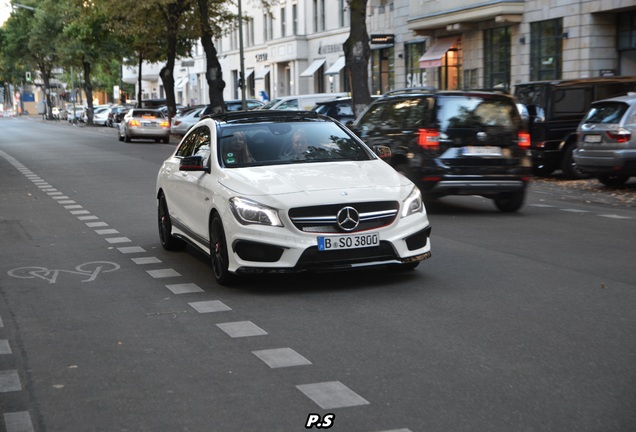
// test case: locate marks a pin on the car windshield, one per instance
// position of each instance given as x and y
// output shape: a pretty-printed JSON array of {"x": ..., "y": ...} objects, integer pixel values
[
  {"x": 243, "y": 145},
  {"x": 606, "y": 113}
]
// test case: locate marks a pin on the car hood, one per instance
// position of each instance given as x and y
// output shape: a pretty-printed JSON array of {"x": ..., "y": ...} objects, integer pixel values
[{"x": 310, "y": 177}]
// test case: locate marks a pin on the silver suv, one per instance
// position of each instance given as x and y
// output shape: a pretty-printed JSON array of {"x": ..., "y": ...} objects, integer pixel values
[{"x": 606, "y": 142}]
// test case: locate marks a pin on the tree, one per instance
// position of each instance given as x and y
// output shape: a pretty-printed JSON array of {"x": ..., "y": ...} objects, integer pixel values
[
  {"x": 213, "y": 71},
  {"x": 357, "y": 53}
]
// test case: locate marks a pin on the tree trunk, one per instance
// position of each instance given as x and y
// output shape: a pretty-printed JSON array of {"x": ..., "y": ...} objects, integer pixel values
[
  {"x": 213, "y": 71},
  {"x": 88, "y": 88},
  {"x": 141, "y": 60},
  {"x": 357, "y": 53}
]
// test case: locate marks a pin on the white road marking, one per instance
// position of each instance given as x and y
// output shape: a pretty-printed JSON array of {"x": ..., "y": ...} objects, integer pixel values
[
  {"x": 210, "y": 306},
  {"x": 281, "y": 357},
  {"x": 18, "y": 422},
  {"x": 9, "y": 381},
  {"x": 332, "y": 394},
  {"x": 241, "y": 329},
  {"x": 163, "y": 273},
  {"x": 131, "y": 249},
  {"x": 185, "y": 288},
  {"x": 146, "y": 260},
  {"x": 114, "y": 240},
  {"x": 4, "y": 347}
]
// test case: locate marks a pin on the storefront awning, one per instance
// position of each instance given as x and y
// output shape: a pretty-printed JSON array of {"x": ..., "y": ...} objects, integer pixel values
[
  {"x": 336, "y": 67},
  {"x": 249, "y": 73},
  {"x": 311, "y": 70},
  {"x": 179, "y": 83},
  {"x": 262, "y": 73},
  {"x": 433, "y": 56}
]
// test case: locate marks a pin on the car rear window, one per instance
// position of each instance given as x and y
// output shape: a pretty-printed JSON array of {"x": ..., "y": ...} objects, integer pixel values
[
  {"x": 471, "y": 112},
  {"x": 606, "y": 113},
  {"x": 402, "y": 113}
]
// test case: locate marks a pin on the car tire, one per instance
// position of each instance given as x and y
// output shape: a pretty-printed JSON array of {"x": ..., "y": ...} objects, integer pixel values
[
  {"x": 568, "y": 166},
  {"x": 219, "y": 253},
  {"x": 127, "y": 138},
  {"x": 166, "y": 140},
  {"x": 168, "y": 241},
  {"x": 121, "y": 138},
  {"x": 510, "y": 201},
  {"x": 613, "y": 180}
]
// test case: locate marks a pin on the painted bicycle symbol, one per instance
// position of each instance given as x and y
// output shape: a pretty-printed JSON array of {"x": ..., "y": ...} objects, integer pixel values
[{"x": 90, "y": 269}]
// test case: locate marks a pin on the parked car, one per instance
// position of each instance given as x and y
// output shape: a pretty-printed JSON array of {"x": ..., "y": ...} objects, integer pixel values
[
  {"x": 182, "y": 124},
  {"x": 116, "y": 114},
  {"x": 300, "y": 102},
  {"x": 453, "y": 142},
  {"x": 235, "y": 105},
  {"x": 555, "y": 109},
  {"x": 339, "y": 108},
  {"x": 287, "y": 192},
  {"x": 59, "y": 113},
  {"x": 75, "y": 112},
  {"x": 144, "y": 123},
  {"x": 606, "y": 145},
  {"x": 100, "y": 115}
]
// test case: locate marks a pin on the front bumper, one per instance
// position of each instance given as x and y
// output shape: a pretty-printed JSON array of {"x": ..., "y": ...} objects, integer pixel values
[{"x": 266, "y": 249}]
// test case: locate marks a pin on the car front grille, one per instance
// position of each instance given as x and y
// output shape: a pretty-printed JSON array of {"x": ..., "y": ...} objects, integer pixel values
[{"x": 324, "y": 219}]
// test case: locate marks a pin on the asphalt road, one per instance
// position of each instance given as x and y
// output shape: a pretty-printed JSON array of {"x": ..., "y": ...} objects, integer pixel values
[{"x": 519, "y": 322}]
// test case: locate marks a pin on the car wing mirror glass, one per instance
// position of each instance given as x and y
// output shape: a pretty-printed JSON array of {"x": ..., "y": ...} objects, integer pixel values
[
  {"x": 192, "y": 163},
  {"x": 383, "y": 152}
]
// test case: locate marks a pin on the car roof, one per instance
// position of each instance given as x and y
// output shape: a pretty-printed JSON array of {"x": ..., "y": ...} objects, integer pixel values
[
  {"x": 432, "y": 91},
  {"x": 266, "y": 116},
  {"x": 579, "y": 81},
  {"x": 629, "y": 98}
]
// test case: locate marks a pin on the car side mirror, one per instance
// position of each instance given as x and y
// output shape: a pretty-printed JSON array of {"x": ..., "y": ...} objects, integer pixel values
[
  {"x": 383, "y": 152},
  {"x": 192, "y": 163}
]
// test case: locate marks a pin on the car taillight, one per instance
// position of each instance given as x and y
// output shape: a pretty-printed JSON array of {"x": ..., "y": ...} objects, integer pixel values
[
  {"x": 621, "y": 135},
  {"x": 176, "y": 122},
  {"x": 164, "y": 124},
  {"x": 134, "y": 122},
  {"x": 524, "y": 140},
  {"x": 429, "y": 139}
]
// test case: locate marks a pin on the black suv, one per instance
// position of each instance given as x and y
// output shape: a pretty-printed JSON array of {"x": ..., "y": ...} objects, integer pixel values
[
  {"x": 555, "y": 109},
  {"x": 453, "y": 142}
]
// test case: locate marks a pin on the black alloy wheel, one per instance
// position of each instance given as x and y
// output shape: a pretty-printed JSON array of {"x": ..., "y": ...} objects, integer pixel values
[
  {"x": 219, "y": 252},
  {"x": 168, "y": 241}
]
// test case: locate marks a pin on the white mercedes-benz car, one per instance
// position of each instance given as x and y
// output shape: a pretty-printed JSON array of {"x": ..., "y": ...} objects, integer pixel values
[{"x": 276, "y": 191}]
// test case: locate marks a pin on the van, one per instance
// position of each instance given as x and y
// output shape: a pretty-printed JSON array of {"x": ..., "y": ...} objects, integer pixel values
[
  {"x": 555, "y": 109},
  {"x": 301, "y": 102}
]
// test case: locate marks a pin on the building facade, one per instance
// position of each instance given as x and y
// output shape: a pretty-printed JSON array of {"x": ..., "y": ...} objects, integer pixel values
[{"x": 454, "y": 44}]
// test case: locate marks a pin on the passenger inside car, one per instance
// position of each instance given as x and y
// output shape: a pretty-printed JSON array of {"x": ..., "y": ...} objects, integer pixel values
[
  {"x": 235, "y": 150},
  {"x": 298, "y": 146}
]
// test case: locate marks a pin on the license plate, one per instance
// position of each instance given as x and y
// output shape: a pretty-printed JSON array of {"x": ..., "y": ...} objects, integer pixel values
[
  {"x": 592, "y": 138},
  {"x": 352, "y": 241},
  {"x": 481, "y": 151}
]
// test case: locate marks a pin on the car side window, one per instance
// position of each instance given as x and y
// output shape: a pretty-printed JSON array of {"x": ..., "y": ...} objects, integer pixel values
[
  {"x": 202, "y": 143},
  {"x": 291, "y": 104},
  {"x": 188, "y": 145}
]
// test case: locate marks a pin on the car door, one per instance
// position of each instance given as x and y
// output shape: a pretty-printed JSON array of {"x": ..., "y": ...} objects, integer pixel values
[
  {"x": 195, "y": 195},
  {"x": 175, "y": 181}
]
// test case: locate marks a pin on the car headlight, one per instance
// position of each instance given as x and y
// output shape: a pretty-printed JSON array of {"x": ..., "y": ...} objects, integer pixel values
[
  {"x": 413, "y": 203},
  {"x": 250, "y": 212}
]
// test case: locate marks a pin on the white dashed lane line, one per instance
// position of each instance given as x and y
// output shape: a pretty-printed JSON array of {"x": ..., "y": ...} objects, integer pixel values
[{"x": 327, "y": 395}]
